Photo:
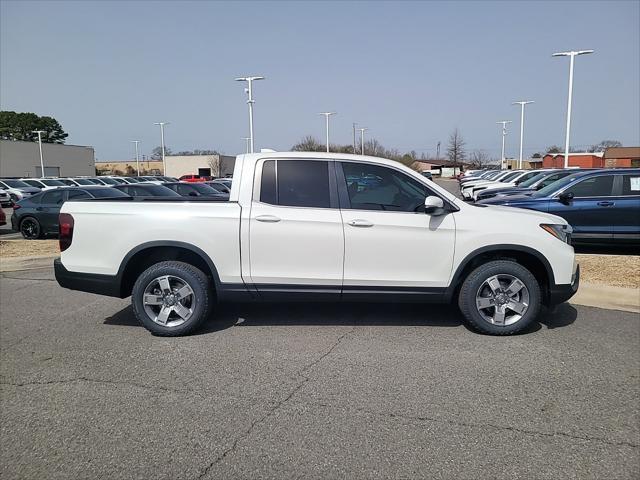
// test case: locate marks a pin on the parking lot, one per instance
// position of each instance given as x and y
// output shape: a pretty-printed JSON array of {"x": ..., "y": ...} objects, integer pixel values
[{"x": 315, "y": 391}]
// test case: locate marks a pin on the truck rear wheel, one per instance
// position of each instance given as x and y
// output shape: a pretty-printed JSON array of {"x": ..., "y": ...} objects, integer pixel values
[
  {"x": 172, "y": 298},
  {"x": 500, "y": 298}
]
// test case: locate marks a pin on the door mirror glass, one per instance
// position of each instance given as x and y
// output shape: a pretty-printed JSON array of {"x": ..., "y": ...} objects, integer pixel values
[
  {"x": 566, "y": 197},
  {"x": 433, "y": 205}
]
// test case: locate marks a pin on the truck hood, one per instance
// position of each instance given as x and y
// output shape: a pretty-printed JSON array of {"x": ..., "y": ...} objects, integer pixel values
[{"x": 515, "y": 215}]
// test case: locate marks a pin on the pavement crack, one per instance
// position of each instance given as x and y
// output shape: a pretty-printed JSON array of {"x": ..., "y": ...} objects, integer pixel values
[
  {"x": 492, "y": 426},
  {"x": 303, "y": 373},
  {"x": 155, "y": 388}
]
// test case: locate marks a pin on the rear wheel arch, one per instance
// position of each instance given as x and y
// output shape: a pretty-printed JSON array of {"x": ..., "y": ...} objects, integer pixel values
[
  {"x": 531, "y": 259},
  {"x": 147, "y": 254}
]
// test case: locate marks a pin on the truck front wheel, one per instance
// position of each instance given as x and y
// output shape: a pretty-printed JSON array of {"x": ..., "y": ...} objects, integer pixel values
[
  {"x": 500, "y": 297},
  {"x": 172, "y": 298}
]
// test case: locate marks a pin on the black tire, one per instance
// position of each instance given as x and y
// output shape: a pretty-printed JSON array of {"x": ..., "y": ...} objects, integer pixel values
[
  {"x": 504, "y": 269},
  {"x": 30, "y": 228},
  {"x": 200, "y": 305}
]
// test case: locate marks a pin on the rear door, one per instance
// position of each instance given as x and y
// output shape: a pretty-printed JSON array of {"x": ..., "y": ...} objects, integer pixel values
[
  {"x": 391, "y": 245},
  {"x": 626, "y": 226},
  {"x": 591, "y": 211},
  {"x": 49, "y": 208},
  {"x": 296, "y": 242}
]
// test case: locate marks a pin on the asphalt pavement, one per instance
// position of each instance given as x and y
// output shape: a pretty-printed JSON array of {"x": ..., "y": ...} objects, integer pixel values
[{"x": 311, "y": 391}]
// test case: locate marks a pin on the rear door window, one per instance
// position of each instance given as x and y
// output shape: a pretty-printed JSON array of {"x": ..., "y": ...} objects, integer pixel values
[
  {"x": 631, "y": 185},
  {"x": 53, "y": 198},
  {"x": 296, "y": 183}
]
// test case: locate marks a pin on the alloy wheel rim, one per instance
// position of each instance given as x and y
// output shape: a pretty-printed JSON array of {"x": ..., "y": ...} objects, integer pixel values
[
  {"x": 168, "y": 301},
  {"x": 502, "y": 300},
  {"x": 29, "y": 228}
]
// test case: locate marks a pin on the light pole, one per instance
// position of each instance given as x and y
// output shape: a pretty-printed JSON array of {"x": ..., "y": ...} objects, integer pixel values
[
  {"x": 246, "y": 139},
  {"x": 40, "y": 132},
  {"x": 137, "y": 157},
  {"x": 164, "y": 164},
  {"x": 326, "y": 116},
  {"x": 362, "y": 130},
  {"x": 522, "y": 103},
  {"x": 354, "y": 137},
  {"x": 572, "y": 55},
  {"x": 504, "y": 134},
  {"x": 250, "y": 101}
]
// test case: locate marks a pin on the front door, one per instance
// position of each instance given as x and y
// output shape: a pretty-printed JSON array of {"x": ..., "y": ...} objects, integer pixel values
[
  {"x": 296, "y": 242},
  {"x": 49, "y": 209},
  {"x": 391, "y": 245}
]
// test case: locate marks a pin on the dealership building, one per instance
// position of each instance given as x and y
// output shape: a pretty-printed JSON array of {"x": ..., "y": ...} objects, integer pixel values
[
  {"x": 177, "y": 166},
  {"x": 22, "y": 159}
]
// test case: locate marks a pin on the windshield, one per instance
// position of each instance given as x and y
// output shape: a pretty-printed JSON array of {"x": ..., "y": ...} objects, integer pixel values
[
  {"x": 533, "y": 179},
  {"x": 106, "y": 192},
  {"x": 158, "y": 190},
  {"x": 82, "y": 181},
  {"x": 95, "y": 181},
  {"x": 509, "y": 176},
  {"x": 16, "y": 184},
  {"x": 54, "y": 183},
  {"x": 552, "y": 187},
  {"x": 109, "y": 181},
  {"x": 204, "y": 189}
]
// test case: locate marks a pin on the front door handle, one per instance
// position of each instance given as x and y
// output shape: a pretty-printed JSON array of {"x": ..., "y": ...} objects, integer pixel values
[
  {"x": 605, "y": 204},
  {"x": 267, "y": 218},
  {"x": 360, "y": 223}
]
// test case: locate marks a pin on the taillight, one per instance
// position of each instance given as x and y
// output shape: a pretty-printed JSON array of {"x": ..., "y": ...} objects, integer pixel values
[{"x": 65, "y": 231}]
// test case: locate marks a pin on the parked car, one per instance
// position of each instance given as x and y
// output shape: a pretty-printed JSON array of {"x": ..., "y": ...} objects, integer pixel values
[
  {"x": 3, "y": 217},
  {"x": 191, "y": 178},
  {"x": 534, "y": 184},
  {"x": 195, "y": 190},
  {"x": 37, "y": 216},
  {"x": 309, "y": 233},
  {"x": 44, "y": 183},
  {"x": 146, "y": 190},
  {"x": 521, "y": 177},
  {"x": 17, "y": 189},
  {"x": 427, "y": 175},
  {"x": 467, "y": 189},
  {"x": 602, "y": 206},
  {"x": 5, "y": 199},
  {"x": 75, "y": 182},
  {"x": 219, "y": 185}
]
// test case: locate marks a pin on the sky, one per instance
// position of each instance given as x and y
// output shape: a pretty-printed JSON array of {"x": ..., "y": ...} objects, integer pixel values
[{"x": 409, "y": 71}]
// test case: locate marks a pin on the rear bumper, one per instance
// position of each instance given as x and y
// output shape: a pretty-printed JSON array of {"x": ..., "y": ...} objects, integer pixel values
[
  {"x": 562, "y": 293},
  {"x": 108, "y": 285}
]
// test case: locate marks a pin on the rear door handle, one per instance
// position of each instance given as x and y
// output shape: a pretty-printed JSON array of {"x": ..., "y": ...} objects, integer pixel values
[
  {"x": 267, "y": 218},
  {"x": 605, "y": 204},
  {"x": 360, "y": 223}
]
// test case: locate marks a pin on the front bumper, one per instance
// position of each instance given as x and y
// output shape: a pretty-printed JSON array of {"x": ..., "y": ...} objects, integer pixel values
[
  {"x": 108, "y": 285},
  {"x": 562, "y": 293}
]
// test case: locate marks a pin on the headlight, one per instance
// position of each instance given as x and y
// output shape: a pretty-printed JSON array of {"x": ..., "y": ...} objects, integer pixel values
[{"x": 561, "y": 232}]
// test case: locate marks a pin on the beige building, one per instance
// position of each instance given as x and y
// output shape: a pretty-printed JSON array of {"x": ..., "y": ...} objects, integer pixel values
[
  {"x": 206, "y": 165},
  {"x": 22, "y": 159}
]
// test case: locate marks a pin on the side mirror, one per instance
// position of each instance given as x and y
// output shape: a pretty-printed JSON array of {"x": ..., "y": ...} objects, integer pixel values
[
  {"x": 566, "y": 197},
  {"x": 433, "y": 205}
]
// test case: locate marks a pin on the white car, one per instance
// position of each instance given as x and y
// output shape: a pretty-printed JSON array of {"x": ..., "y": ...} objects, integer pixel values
[
  {"x": 466, "y": 188},
  {"x": 317, "y": 226},
  {"x": 523, "y": 176},
  {"x": 17, "y": 189},
  {"x": 44, "y": 183}
]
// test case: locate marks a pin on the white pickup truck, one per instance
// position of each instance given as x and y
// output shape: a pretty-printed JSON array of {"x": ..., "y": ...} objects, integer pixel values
[{"x": 316, "y": 226}]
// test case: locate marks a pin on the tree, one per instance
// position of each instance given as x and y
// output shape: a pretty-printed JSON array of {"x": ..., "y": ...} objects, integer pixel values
[
  {"x": 214, "y": 164},
  {"x": 20, "y": 126},
  {"x": 309, "y": 144},
  {"x": 156, "y": 153},
  {"x": 604, "y": 144},
  {"x": 455, "y": 150},
  {"x": 189, "y": 153},
  {"x": 479, "y": 159},
  {"x": 554, "y": 149}
]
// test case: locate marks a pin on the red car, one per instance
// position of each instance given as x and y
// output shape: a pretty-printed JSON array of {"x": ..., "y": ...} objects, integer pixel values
[
  {"x": 3, "y": 217},
  {"x": 193, "y": 178}
]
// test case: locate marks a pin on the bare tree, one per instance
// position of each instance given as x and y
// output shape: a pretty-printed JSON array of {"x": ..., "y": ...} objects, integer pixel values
[
  {"x": 604, "y": 144},
  {"x": 455, "y": 150},
  {"x": 214, "y": 164},
  {"x": 309, "y": 144},
  {"x": 479, "y": 159}
]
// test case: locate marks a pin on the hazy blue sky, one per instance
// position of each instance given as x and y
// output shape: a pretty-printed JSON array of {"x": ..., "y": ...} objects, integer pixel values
[{"x": 411, "y": 72}]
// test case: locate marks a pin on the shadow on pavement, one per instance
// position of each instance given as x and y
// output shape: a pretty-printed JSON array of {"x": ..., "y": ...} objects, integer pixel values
[
  {"x": 608, "y": 249},
  {"x": 331, "y": 314}
]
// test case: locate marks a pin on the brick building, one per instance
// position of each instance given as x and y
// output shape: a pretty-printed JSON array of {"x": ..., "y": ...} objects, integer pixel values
[
  {"x": 621, "y": 157},
  {"x": 582, "y": 160}
]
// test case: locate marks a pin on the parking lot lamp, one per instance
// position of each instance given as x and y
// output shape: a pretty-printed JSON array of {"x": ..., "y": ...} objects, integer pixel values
[
  {"x": 326, "y": 117},
  {"x": 354, "y": 137},
  {"x": 164, "y": 164},
  {"x": 572, "y": 55},
  {"x": 504, "y": 134},
  {"x": 246, "y": 139},
  {"x": 362, "y": 130},
  {"x": 522, "y": 103},
  {"x": 137, "y": 157},
  {"x": 40, "y": 132},
  {"x": 250, "y": 101}
]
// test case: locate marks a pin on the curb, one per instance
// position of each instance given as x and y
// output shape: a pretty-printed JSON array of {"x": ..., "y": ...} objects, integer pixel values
[
  {"x": 607, "y": 297},
  {"x": 15, "y": 264}
]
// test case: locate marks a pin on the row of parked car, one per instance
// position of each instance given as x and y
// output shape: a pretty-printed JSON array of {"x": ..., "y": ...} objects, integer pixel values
[
  {"x": 37, "y": 202},
  {"x": 602, "y": 205}
]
